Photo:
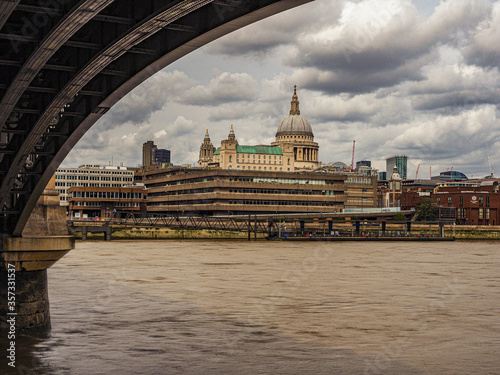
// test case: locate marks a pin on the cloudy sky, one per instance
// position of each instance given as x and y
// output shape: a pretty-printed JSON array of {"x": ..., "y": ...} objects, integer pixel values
[{"x": 418, "y": 77}]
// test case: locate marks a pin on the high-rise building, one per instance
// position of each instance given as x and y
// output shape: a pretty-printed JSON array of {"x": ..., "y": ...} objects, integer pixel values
[
  {"x": 363, "y": 163},
  {"x": 148, "y": 149},
  {"x": 401, "y": 163},
  {"x": 161, "y": 156}
]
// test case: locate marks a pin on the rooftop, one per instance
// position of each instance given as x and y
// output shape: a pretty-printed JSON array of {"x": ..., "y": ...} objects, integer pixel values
[{"x": 266, "y": 150}]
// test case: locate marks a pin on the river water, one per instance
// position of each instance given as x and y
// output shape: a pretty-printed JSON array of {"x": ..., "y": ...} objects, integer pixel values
[{"x": 236, "y": 307}]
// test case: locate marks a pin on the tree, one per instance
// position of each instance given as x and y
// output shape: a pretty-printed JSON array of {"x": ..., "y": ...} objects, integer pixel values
[
  {"x": 425, "y": 210},
  {"x": 399, "y": 217}
]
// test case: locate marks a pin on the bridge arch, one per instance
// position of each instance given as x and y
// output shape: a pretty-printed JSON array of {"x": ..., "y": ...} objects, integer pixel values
[{"x": 79, "y": 58}]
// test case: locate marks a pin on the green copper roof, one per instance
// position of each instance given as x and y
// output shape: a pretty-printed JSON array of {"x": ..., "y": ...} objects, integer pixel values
[
  {"x": 267, "y": 150},
  {"x": 259, "y": 150}
]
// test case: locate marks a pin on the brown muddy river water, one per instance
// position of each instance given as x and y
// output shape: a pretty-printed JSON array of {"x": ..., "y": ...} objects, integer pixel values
[{"x": 236, "y": 307}]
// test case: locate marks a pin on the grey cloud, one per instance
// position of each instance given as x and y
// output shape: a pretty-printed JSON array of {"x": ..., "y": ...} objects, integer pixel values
[
  {"x": 449, "y": 137},
  {"x": 151, "y": 96},
  {"x": 224, "y": 88},
  {"x": 384, "y": 46},
  {"x": 485, "y": 50},
  {"x": 262, "y": 38}
]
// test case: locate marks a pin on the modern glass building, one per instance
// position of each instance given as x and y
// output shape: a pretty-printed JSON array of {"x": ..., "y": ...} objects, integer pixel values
[
  {"x": 161, "y": 156},
  {"x": 451, "y": 176},
  {"x": 401, "y": 162}
]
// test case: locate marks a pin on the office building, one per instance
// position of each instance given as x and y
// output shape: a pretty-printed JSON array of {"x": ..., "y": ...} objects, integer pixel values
[
  {"x": 91, "y": 176},
  {"x": 161, "y": 156},
  {"x": 450, "y": 176},
  {"x": 105, "y": 202},
  {"x": 200, "y": 191},
  {"x": 148, "y": 149},
  {"x": 401, "y": 162},
  {"x": 363, "y": 163}
]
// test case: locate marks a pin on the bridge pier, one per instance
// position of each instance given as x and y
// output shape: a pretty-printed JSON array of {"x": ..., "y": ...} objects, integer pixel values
[{"x": 23, "y": 267}]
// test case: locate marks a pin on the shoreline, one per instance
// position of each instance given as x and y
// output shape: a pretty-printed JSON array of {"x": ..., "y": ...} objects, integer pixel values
[{"x": 204, "y": 234}]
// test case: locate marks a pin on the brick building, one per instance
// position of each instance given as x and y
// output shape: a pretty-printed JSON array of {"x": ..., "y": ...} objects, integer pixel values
[{"x": 474, "y": 205}]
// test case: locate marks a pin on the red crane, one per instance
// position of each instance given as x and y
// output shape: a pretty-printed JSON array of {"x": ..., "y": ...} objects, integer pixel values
[
  {"x": 352, "y": 162},
  {"x": 416, "y": 175}
]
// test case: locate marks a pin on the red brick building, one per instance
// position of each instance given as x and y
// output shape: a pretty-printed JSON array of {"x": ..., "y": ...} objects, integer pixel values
[{"x": 474, "y": 205}]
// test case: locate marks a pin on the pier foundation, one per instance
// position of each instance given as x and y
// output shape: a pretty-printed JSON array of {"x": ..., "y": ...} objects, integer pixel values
[{"x": 24, "y": 261}]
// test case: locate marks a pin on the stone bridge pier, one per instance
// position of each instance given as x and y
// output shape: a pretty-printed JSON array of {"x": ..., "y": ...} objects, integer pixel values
[{"x": 44, "y": 241}]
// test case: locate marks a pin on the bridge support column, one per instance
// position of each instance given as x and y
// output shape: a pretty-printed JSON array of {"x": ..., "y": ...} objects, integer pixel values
[{"x": 23, "y": 267}]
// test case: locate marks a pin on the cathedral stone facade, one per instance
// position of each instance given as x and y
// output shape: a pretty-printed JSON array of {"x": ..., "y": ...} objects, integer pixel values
[{"x": 294, "y": 149}]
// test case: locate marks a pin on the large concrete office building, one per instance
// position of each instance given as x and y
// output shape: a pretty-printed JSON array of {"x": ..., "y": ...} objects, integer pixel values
[
  {"x": 91, "y": 176},
  {"x": 105, "y": 202},
  {"x": 197, "y": 191}
]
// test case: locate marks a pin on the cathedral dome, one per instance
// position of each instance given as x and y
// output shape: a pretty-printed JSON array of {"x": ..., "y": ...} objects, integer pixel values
[{"x": 294, "y": 123}]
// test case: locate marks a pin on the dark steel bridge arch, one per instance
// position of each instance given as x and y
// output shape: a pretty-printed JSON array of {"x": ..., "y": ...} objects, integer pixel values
[{"x": 65, "y": 63}]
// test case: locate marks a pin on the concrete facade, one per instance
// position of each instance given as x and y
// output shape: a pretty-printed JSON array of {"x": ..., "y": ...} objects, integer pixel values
[
  {"x": 198, "y": 191},
  {"x": 91, "y": 176}
]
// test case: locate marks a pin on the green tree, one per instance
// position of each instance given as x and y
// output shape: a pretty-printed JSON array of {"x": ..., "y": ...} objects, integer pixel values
[
  {"x": 425, "y": 210},
  {"x": 399, "y": 217}
]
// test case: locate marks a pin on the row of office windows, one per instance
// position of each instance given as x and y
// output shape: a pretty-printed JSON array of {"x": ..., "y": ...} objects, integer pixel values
[
  {"x": 299, "y": 181},
  {"x": 358, "y": 181},
  {"x": 85, "y": 184},
  {"x": 260, "y": 168},
  {"x": 106, "y": 195},
  {"x": 98, "y": 204},
  {"x": 251, "y": 191},
  {"x": 482, "y": 201},
  {"x": 246, "y": 202},
  {"x": 94, "y": 178},
  {"x": 60, "y": 172},
  {"x": 483, "y": 213}
]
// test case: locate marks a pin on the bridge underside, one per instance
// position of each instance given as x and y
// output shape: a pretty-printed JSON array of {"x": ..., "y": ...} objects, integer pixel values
[{"x": 65, "y": 63}]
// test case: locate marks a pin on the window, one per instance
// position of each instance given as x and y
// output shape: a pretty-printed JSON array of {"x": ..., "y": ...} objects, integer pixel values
[
  {"x": 481, "y": 199},
  {"x": 438, "y": 201},
  {"x": 487, "y": 213},
  {"x": 461, "y": 201},
  {"x": 449, "y": 201},
  {"x": 481, "y": 213},
  {"x": 487, "y": 201}
]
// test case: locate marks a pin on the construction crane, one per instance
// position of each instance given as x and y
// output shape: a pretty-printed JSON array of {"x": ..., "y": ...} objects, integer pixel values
[
  {"x": 352, "y": 162},
  {"x": 416, "y": 174},
  {"x": 492, "y": 173}
]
